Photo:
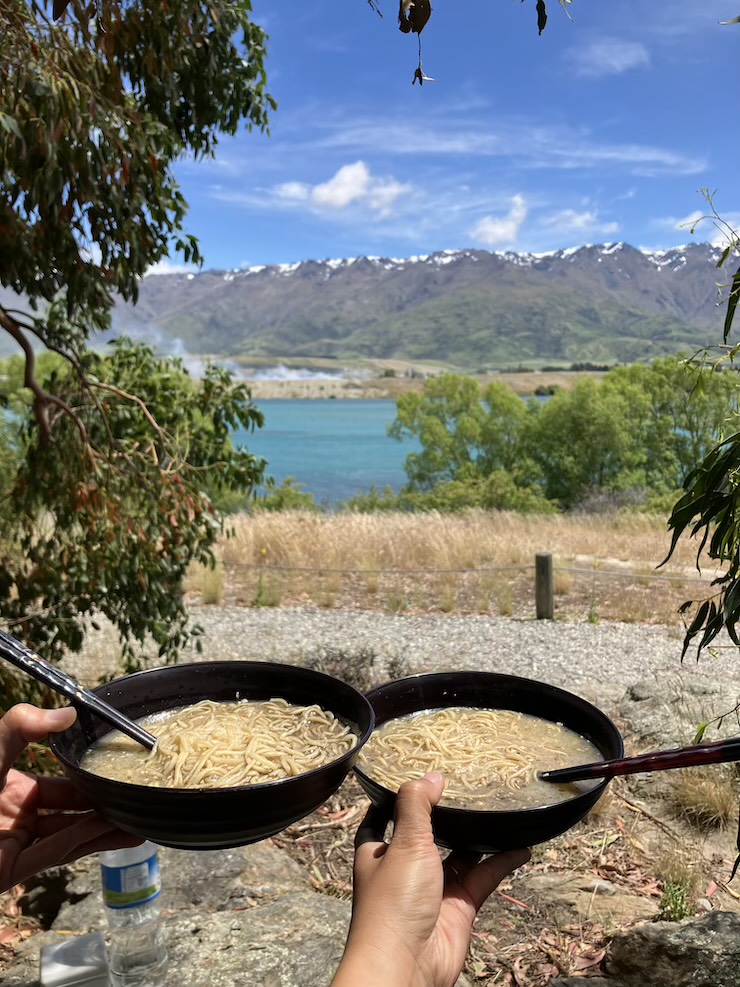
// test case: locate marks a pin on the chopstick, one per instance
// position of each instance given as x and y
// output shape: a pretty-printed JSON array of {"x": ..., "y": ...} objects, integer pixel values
[
  {"x": 719, "y": 752},
  {"x": 35, "y": 666}
]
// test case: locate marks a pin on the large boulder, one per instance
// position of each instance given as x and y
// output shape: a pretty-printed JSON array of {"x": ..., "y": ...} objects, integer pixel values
[
  {"x": 231, "y": 917},
  {"x": 703, "y": 952}
]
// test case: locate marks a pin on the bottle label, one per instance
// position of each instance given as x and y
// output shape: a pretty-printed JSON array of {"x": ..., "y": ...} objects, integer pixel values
[{"x": 127, "y": 887}]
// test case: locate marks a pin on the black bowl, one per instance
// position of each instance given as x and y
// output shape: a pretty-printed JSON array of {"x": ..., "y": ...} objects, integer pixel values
[
  {"x": 484, "y": 831},
  {"x": 217, "y": 818}
]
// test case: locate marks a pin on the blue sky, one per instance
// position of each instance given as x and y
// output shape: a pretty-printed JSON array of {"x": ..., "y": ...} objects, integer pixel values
[{"x": 604, "y": 128}]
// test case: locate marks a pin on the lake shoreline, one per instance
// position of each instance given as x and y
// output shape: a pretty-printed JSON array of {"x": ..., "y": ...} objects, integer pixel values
[{"x": 389, "y": 388}]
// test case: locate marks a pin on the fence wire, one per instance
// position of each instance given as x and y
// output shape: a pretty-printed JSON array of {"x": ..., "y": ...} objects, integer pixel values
[{"x": 618, "y": 574}]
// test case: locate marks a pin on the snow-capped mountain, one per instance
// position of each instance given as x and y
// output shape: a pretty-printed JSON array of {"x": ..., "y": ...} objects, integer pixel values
[{"x": 603, "y": 303}]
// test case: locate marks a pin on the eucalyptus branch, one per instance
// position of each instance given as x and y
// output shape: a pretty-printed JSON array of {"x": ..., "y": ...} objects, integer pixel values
[
  {"x": 42, "y": 399},
  {"x": 126, "y": 396}
]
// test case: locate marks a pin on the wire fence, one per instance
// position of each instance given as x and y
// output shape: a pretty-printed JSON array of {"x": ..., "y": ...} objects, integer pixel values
[
  {"x": 601, "y": 591},
  {"x": 594, "y": 570}
]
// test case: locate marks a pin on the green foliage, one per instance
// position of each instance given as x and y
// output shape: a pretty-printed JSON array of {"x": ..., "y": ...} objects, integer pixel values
[
  {"x": 708, "y": 509},
  {"x": 584, "y": 440},
  {"x": 289, "y": 496},
  {"x": 107, "y": 518},
  {"x": 93, "y": 114},
  {"x": 497, "y": 491},
  {"x": 635, "y": 433},
  {"x": 465, "y": 432},
  {"x": 110, "y": 467},
  {"x": 675, "y": 902}
]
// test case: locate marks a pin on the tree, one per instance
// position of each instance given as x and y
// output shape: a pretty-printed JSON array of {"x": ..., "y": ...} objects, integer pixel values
[
  {"x": 464, "y": 432},
  {"x": 588, "y": 439},
  {"x": 636, "y": 431},
  {"x": 687, "y": 413},
  {"x": 710, "y": 507},
  {"x": 110, "y": 498},
  {"x": 81, "y": 538}
]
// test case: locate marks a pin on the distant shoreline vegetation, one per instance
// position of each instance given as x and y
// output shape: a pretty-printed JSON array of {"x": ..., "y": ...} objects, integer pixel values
[{"x": 628, "y": 439}]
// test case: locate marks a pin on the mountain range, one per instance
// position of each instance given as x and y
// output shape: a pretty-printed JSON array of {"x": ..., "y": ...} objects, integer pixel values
[{"x": 473, "y": 309}]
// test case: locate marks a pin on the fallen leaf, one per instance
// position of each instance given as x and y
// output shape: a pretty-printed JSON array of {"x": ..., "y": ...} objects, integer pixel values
[{"x": 586, "y": 961}]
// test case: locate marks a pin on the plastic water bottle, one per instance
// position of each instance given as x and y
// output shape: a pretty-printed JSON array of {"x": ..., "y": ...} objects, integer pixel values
[{"x": 137, "y": 955}]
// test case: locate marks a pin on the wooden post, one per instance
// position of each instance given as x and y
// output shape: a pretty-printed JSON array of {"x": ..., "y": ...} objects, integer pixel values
[{"x": 543, "y": 591}]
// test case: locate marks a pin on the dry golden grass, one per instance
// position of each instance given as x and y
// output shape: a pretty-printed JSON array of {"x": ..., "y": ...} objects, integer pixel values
[
  {"x": 209, "y": 582},
  {"x": 482, "y": 562},
  {"x": 675, "y": 864},
  {"x": 706, "y": 796}
]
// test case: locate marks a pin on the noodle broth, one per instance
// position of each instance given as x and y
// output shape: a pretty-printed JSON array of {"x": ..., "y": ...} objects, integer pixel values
[
  {"x": 489, "y": 757},
  {"x": 223, "y": 745}
]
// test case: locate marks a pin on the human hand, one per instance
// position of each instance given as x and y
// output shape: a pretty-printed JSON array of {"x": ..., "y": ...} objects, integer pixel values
[
  {"x": 413, "y": 914},
  {"x": 42, "y": 822}
]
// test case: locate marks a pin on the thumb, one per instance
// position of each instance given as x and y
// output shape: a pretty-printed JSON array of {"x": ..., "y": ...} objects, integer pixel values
[
  {"x": 413, "y": 815},
  {"x": 24, "y": 723}
]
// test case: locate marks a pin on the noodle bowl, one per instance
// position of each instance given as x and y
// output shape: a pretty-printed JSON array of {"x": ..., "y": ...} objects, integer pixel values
[
  {"x": 224, "y": 744},
  {"x": 490, "y": 757}
]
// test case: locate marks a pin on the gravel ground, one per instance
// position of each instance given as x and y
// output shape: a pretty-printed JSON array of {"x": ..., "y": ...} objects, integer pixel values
[{"x": 594, "y": 660}]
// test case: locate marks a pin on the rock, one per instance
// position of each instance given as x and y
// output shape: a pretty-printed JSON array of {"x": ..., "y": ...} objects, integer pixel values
[
  {"x": 703, "y": 952},
  {"x": 580, "y": 982},
  {"x": 231, "y": 917},
  {"x": 569, "y": 897},
  {"x": 296, "y": 941},
  {"x": 590, "y": 982},
  {"x": 217, "y": 879},
  {"x": 666, "y": 713}
]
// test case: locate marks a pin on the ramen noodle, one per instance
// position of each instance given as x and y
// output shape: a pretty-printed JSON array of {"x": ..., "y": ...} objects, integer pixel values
[
  {"x": 489, "y": 757},
  {"x": 221, "y": 745}
]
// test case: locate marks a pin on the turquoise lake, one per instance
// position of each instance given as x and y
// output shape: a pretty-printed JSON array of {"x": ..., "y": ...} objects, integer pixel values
[{"x": 334, "y": 448}]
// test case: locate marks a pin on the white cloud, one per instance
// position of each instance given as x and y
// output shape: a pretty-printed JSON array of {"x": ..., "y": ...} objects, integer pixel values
[
  {"x": 499, "y": 230},
  {"x": 293, "y": 191},
  {"x": 525, "y": 143},
  {"x": 166, "y": 266},
  {"x": 352, "y": 183},
  {"x": 607, "y": 56},
  {"x": 571, "y": 221},
  {"x": 707, "y": 228}
]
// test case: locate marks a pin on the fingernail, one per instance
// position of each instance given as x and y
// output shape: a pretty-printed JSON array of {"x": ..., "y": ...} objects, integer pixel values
[
  {"x": 434, "y": 776},
  {"x": 60, "y": 719}
]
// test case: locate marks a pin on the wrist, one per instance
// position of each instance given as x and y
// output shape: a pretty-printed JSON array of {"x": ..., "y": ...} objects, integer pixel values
[{"x": 367, "y": 964}]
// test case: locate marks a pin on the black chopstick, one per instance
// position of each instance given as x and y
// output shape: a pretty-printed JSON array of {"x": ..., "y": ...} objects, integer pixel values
[
  {"x": 31, "y": 663},
  {"x": 719, "y": 752}
]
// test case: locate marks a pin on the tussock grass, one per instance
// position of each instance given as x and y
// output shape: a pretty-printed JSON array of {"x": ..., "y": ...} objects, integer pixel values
[
  {"x": 478, "y": 562},
  {"x": 679, "y": 873},
  {"x": 707, "y": 797},
  {"x": 209, "y": 581}
]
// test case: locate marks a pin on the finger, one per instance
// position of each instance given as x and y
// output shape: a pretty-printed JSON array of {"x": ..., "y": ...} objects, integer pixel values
[
  {"x": 372, "y": 828},
  {"x": 24, "y": 723},
  {"x": 68, "y": 843},
  {"x": 486, "y": 876},
  {"x": 58, "y": 793},
  {"x": 116, "y": 839},
  {"x": 48, "y": 825},
  {"x": 369, "y": 843},
  {"x": 413, "y": 816},
  {"x": 457, "y": 865}
]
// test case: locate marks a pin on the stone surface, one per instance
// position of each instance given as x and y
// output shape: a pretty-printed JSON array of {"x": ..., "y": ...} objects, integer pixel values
[
  {"x": 666, "y": 711},
  {"x": 295, "y": 941},
  {"x": 568, "y": 897},
  {"x": 232, "y": 917},
  {"x": 703, "y": 952},
  {"x": 581, "y": 982}
]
